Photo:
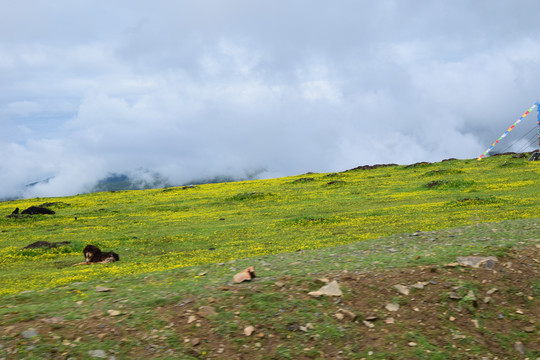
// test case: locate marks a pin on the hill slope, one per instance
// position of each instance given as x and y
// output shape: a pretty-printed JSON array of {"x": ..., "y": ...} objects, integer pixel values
[{"x": 171, "y": 295}]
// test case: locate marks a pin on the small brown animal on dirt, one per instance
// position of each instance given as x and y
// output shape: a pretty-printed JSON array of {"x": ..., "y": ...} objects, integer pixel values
[{"x": 93, "y": 255}]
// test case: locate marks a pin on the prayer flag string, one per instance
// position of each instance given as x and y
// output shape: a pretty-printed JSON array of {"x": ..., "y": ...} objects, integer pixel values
[{"x": 507, "y": 131}]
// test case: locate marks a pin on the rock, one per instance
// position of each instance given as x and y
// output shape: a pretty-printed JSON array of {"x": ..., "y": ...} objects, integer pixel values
[
  {"x": 97, "y": 354},
  {"x": 471, "y": 296},
  {"x": 402, "y": 289},
  {"x": 528, "y": 329},
  {"x": 279, "y": 284},
  {"x": 454, "y": 295},
  {"x": 392, "y": 307},
  {"x": 191, "y": 319},
  {"x": 368, "y": 324},
  {"x": 46, "y": 244},
  {"x": 412, "y": 344},
  {"x": 113, "y": 312},
  {"x": 492, "y": 291},
  {"x": 206, "y": 311},
  {"x": 419, "y": 285},
  {"x": 245, "y": 275},
  {"x": 518, "y": 346},
  {"x": 475, "y": 323},
  {"x": 53, "y": 320},
  {"x": 306, "y": 328},
  {"x": 322, "y": 281},
  {"x": 371, "y": 317},
  {"x": 195, "y": 341},
  {"x": 348, "y": 314},
  {"x": 389, "y": 320},
  {"x": 332, "y": 289},
  {"x": 37, "y": 210},
  {"x": 30, "y": 333},
  {"x": 339, "y": 316},
  {"x": 103, "y": 289},
  {"x": 248, "y": 330},
  {"x": 487, "y": 262}
]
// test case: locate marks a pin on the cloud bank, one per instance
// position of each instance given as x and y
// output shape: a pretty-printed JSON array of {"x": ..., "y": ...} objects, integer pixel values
[{"x": 236, "y": 88}]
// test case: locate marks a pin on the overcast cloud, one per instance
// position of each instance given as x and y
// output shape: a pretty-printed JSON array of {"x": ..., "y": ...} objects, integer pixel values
[{"x": 197, "y": 89}]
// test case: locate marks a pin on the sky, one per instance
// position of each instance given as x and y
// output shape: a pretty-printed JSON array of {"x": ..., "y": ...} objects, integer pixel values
[{"x": 191, "y": 90}]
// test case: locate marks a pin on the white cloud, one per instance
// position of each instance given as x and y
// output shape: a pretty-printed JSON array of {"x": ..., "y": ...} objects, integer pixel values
[{"x": 192, "y": 90}]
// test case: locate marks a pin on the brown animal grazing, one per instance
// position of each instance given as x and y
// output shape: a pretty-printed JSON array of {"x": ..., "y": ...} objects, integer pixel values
[{"x": 93, "y": 255}]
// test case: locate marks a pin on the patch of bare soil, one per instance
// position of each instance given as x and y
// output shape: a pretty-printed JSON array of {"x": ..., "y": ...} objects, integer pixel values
[{"x": 443, "y": 311}]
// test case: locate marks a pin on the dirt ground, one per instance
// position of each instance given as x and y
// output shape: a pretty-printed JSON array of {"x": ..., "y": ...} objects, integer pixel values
[{"x": 443, "y": 311}]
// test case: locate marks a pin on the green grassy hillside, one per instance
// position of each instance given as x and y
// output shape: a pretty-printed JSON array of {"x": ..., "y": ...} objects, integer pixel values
[
  {"x": 171, "y": 296},
  {"x": 155, "y": 230}
]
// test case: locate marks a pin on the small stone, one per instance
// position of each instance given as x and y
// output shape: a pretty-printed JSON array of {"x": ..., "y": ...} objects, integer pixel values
[
  {"x": 113, "y": 312},
  {"x": 454, "y": 296},
  {"x": 520, "y": 312},
  {"x": 322, "y": 280},
  {"x": 392, "y": 307},
  {"x": 389, "y": 320},
  {"x": 487, "y": 262},
  {"x": 195, "y": 341},
  {"x": 528, "y": 329},
  {"x": 339, "y": 316},
  {"x": 206, "y": 311},
  {"x": 371, "y": 317},
  {"x": 412, "y": 344},
  {"x": 471, "y": 296},
  {"x": 279, "y": 284},
  {"x": 402, "y": 289},
  {"x": 103, "y": 289},
  {"x": 97, "y": 354},
  {"x": 191, "y": 319},
  {"x": 30, "y": 333},
  {"x": 487, "y": 300},
  {"x": 53, "y": 320},
  {"x": 518, "y": 346},
  {"x": 249, "y": 330},
  {"x": 451, "y": 318},
  {"x": 476, "y": 323},
  {"x": 419, "y": 285},
  {"x": 245, "y": 275},
  {"x": 368, "y": 324},
  {"x": 492, "y": 291},
  {"x": 349, "y": 314},
  {"x": 332, "y": 289}
]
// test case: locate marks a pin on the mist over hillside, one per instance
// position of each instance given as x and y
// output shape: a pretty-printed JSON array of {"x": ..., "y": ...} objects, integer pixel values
[{"x": 191, "y": 92}]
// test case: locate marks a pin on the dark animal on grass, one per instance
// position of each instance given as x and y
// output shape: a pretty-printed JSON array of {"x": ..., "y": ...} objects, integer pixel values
[{"x": 93, "y": 255}]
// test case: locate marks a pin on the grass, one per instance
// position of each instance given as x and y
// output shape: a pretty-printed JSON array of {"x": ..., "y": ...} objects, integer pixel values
[
  {"x": 179, "y": 246},
  {"x": 185, "y": 226}
]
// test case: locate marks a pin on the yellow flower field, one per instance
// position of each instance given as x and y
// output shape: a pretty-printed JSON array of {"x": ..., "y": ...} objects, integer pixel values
[{"x": 161, "y": 229}]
